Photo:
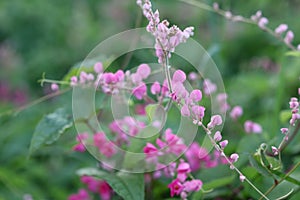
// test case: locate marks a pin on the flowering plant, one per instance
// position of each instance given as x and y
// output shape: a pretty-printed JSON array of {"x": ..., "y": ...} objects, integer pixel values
[{"x": 157, "y": 126}]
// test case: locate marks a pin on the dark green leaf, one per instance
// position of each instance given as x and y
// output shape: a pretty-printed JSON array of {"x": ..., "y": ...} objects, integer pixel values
[{"x": 50, "y": 128}]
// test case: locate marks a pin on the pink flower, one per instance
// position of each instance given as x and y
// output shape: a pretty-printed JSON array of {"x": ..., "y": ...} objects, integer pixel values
[
  {"x": 222, "y": 100},
  {"x": 234, "y": 157},
  {"x": 236, "y": 112},
  {"x": 98, "y": 67},
  {"x": 174, "y": 143},
  {"x": 242, "y": 178},
  {"x": 251, "y": 127},
  {"x": 176, "y": 187},
  {"x": 192, "y": 76},
  {"x": 195, "y": 155},
  {"x": 215, "y": 120},
  {"x": 99, "y": 139},
  {"x": 170, "y": 137},
  {"x": 80, "y": 138},
  {"x": 140, "y": 91},
  {"x": 193, "y": 185},
  {"x": 140, "y": 109},
  {"x": 179, "y": 76},
  {"x": 281, "y": 29},
  {"x": 294, "y": 104},
  {"x": 104, "y": 190},
  {"x": 54, "y": 87},
  {"x": 196, "y": 95},
  {"x": 109, "y": 78},
  {"x": 105, "y": 147},
  {"x": 223, "y": 144},
  {"x": 295, "y": 117},
  {"x": 284, "y": 130},
  {"x": 81, "y": 195},
  {"x": 209, "y": 87},
  {"x": 119, "y": 75},
  {"x": 144, "y": 71},
  {"x": 185, "y": 111},
  {"x": 275, "y": 151},
  {"x": 92, "y": 183},
  {"x": 184, "y": 167},
  {"x": 263, "y": 22},
  {"x": 150, "y": 148},
  {"x": 218, "y": 136},
  {"x": 289, "y": 37},
  {"x": 198, "y": 111},
  {"x": 74, "y": 80},
  {"x": 155, "y": 88},
  {"x": 160, "y": 143},
  {"x": 108, "y": 149}
]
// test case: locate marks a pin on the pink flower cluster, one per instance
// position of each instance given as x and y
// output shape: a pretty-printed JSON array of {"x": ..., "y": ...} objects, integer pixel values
[
  {"x": 181, "y": 185},
  {"x": 279, "y": 30},
  {"x": 112, "y": 83},
  {"x": 252, "y": 127},
  {"x": 166, "y": 38},
  {"x": 121, "y": 129},
  {"x": 199, "y": 157},
  {"x": 124, "y": 128},
  {"x": 100, "y": 141},
  {"x": 95, "y": 186},
  {"x": 81, "y": 139},
  {"x": 294, "y": 106},
  {"x": 170, "y": 144},
  {"x": 81, "y": 195}
]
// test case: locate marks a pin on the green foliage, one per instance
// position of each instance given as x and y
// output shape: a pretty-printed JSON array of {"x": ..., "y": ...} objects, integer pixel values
[{"x": 50, "y": 128}]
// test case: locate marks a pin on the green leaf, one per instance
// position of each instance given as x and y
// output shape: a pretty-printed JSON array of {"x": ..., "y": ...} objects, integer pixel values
[
  {"x": 50, "y": 128},
  {"x": 218, "y": 183},
  {"x": 293, "y": 53},
  {"x": 129, "y": 186}
]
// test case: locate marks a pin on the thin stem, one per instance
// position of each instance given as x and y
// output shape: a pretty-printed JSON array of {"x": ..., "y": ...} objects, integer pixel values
[
  {"x": 33, "y": 103},
  {"x": 223, "y": 13},
  {"x": 44, "y": 80},
  {"x": 284, "y": 144},
  {"x": 282, "y": 179},
  {"x": 169, "y": 81},
  {"x": 88, "y": 124},
  {"x": 217, "y": 147}
]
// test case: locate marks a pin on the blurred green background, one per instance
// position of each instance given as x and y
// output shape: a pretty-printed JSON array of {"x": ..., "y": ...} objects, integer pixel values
[{"x": 39, "y": 36}]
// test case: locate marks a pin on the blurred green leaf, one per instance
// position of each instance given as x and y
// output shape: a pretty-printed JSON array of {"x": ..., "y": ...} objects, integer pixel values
[
  {"x": 285, "y": 115},
  {"x": 129, "y": 186},
  {"x": 293, "y": 53},
  {"x": 218, "y": 183},
  {"x": 50, "y": 128}
]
